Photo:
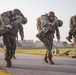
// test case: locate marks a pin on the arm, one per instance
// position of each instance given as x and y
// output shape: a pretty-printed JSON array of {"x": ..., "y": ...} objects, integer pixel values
[
  {"x": 17, "y": 21},
  {"x": 21, "y": 32},
  {"x": 57, "y": 33},
  {"x": 54, "y": 22}
]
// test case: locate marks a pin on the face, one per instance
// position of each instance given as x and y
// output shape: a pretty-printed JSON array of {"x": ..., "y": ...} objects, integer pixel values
[
  {"x": 51, "y": 18},
  {"x": 15, "y": 17}
]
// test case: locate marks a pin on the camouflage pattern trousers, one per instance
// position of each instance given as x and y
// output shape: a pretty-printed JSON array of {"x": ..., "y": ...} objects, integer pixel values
[
  {"x": 9, "y": 46},
  {"x": 48, "y": 45},
  {"x": 74, "y": 40}
]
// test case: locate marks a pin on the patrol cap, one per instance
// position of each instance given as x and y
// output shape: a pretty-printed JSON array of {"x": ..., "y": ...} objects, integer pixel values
[
  {"x": 60, "y": 23},
  {"x": 16, "y": 12},
  {"x": 51, "y": 13}
]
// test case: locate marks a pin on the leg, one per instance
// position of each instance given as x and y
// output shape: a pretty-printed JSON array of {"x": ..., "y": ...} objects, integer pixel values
[
  {"x": 41, "y": 36},
  {"x": 13, "y": 55},
  {"x": 7, "y": 51},
  {"x": 50, "y": 53},
  {"x": 74, "y": 40},
  {"x": 13, "y": 42},
  {"x": 48, "y": 45},
  {"x": 45, "y": 57}
]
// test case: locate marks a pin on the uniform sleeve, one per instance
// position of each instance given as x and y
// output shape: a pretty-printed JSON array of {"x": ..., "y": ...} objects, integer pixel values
[
  {"x": 57, "y": 32},
  {"x": 17, "y": 21},
  {"x": 20, "y": 28}
]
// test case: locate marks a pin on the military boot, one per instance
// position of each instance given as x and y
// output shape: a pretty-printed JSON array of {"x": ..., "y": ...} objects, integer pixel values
[
  {"x": 50, "y": 61},
  {"x": 8, "y": 62}
]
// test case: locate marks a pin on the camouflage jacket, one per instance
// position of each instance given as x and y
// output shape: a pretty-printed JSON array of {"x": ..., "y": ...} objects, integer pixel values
[
  {"x": 42, "y": 24},
  {"x": 17, "y": 24},
  {"x": 72, "y": 22}
]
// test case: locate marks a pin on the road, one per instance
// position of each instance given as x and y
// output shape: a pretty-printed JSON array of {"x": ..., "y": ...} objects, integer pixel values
[{"x": 26, "y": 64}]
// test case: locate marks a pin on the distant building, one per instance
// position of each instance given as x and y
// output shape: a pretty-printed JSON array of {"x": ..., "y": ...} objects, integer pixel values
[
  {"x": 31, "y": 43},
  {"x": 27, "y": 43},
  {"x": 38, "y": 44},
  {"x": 60, "y": 44}
]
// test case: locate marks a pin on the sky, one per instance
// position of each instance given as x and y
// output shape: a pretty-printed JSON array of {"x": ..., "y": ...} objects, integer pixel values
[{"x": 32, "y": 9}]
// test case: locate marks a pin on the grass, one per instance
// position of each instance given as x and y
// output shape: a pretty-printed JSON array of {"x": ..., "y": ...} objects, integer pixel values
[{"x": 41, "y": 51}]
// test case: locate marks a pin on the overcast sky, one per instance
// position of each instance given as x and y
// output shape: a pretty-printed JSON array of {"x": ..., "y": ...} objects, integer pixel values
[{"x": 32, "y": 9}]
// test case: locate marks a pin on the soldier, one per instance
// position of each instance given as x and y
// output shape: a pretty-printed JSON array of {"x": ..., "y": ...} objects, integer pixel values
[
  {"x": 72, "y": 32},
  {"x": 47, "y": 25},
  {"x": 13, "y": 21},
  {"x": 21, "y": 32}
]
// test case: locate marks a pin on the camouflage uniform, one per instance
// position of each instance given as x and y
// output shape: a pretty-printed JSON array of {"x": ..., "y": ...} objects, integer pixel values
[
  {"x": 73, "y": 27},
  {"x": 21, "y": 32},
  {"x": 72, "y": 30},
  {"x": 9, "y": 38},
  {"x": 47, "y": 34}
]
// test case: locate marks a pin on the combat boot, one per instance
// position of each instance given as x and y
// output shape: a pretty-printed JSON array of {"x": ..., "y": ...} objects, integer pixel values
[
  {"x": 68, "y": 39},
  {"x": 45, "y": 59},
  {"x": 8, "y": 62},
  {"x": 50, "y": 61}
]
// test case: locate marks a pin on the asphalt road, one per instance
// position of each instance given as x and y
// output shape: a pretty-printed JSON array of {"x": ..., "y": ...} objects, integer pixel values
[{"x": 26, "y": 64}]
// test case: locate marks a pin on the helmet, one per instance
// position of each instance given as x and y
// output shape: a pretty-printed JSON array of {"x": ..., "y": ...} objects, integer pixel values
[
  {"x": 16, "y": 12},
  {"x": 51, "y": 13},
  {"x": 24, "y": 20},
  {"x": 60, "y": 23}
]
